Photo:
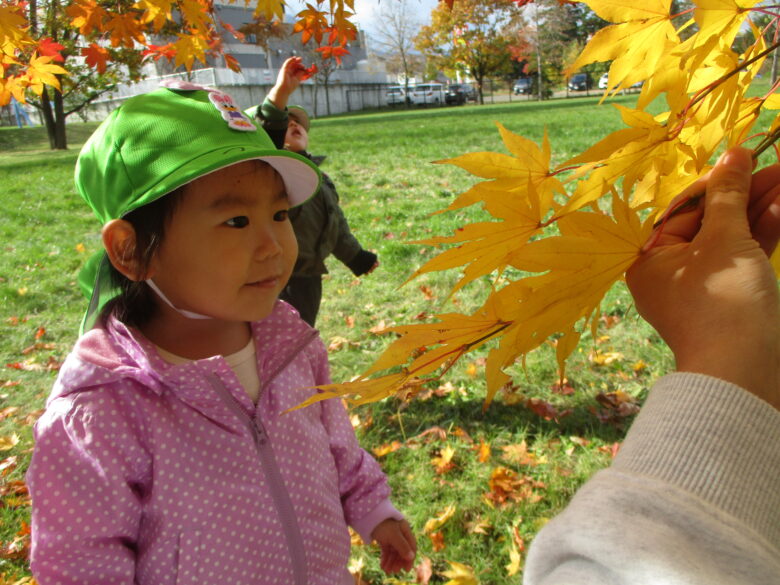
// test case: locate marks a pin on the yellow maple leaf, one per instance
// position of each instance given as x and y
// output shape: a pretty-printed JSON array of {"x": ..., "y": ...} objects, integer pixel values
[
  {"x": 443, "y": 462},
  {"x": 42, "y": 72},
  {"x": 434, "y": 524},
  {"x": 520, "y": 193},
  {"x": 13, "y": 28},
  {"x": 270, "y": 9},
  {"x": 196, "y": 15},
  {"x": 642, "y": 33},
  {"x": 719, "y": 22},
  {"x": 158, "y": 12},
  {"x": 460, "y": 574},
  {"x": 190, "y": 47},
  {"x": 9, "y": 442}
]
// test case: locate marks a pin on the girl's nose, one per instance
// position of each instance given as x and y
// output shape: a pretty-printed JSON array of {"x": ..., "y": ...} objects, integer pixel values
[{"x": 268, "y": 244}]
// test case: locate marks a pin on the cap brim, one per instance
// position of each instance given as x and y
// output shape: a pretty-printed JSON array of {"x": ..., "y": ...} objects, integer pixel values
[{"x": 300, "y": 176}]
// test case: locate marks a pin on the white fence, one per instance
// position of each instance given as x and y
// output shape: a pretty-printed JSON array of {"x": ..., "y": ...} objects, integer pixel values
[{"x": 347, "y": 91}]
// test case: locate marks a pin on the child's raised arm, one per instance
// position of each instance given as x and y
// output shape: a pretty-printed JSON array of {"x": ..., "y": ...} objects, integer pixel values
[{"x": 290, "y": 76}]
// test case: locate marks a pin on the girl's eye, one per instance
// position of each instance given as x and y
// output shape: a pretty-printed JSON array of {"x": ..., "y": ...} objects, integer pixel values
[
  {"x": 281, "y": 215},
  {"x": 240, "y": 221}
]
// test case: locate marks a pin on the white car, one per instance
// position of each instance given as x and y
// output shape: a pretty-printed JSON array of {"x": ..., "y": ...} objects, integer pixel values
[
  {"x": 395, "y": 95},
  {"x": 428, "y": 94},
  {"x": 603, "y": 80}
]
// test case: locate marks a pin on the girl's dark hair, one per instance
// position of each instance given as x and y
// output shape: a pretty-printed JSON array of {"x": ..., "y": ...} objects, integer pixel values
[{"x": 135, "y": 304}]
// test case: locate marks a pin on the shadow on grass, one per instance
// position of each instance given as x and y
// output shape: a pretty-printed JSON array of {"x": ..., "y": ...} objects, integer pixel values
[{"x": 418, "y": 416}]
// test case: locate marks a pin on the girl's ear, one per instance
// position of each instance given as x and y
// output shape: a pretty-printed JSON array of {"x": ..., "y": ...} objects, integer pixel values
[{"x": 119, "y": 242}]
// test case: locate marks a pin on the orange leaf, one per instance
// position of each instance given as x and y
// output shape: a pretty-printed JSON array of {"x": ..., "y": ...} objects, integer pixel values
[
  {"x": 97, "y": 57},
  {"x": 40, "y": 333}
]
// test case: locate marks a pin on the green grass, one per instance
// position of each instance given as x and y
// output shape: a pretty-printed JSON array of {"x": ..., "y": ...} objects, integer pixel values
[{"x": 381, "y": 164}]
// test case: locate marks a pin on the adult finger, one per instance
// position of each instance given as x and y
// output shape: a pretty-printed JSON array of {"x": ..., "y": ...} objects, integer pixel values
[{"x": 728, "y": 191}]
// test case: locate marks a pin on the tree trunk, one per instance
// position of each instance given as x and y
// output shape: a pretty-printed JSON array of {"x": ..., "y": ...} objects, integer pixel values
[{"x": 54, "y": 118}]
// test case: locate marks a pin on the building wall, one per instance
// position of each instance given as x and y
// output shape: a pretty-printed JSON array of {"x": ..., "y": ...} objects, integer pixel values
[{"x": 347, "y": 92}]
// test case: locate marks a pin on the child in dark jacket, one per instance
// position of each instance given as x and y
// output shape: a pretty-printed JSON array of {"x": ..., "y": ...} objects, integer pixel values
[{"x": 320, "y": 226}]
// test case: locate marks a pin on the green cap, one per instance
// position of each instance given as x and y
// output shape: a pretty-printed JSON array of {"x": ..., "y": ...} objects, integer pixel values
[{"x": 156, "y": 142}]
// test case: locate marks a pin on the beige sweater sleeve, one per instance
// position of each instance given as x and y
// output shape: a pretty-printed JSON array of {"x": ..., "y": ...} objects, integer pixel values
[{"x": 692, "y": 498}]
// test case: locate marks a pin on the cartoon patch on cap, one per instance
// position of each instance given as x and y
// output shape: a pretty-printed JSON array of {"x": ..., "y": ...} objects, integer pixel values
[
  {"x": 222, "y": 101},
  {"x": 230, "y": 112}
]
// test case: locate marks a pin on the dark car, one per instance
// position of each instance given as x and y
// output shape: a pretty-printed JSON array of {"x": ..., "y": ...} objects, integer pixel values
[
  {"x": 459, "y": 93},
  {"x": 579, "y": 82},
  {"x": 524, "y": 85}
]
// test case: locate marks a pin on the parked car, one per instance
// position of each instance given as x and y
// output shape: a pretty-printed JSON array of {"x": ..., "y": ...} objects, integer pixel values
[
  {"x": 428, "y": 93},
  {"x": 523, "y": 85},
  {"x": 579, "y": 82},
  {"x": 604, "y": 82},
  {"x": 459, "y": 93},
  {"x": 395, "y": 95}
]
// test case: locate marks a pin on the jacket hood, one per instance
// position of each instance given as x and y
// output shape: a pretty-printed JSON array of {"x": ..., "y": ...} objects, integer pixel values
[{"x": 112, "y": 351}]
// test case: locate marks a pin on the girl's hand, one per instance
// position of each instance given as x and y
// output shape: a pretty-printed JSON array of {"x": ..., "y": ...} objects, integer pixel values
[
  {"x": 706, "y": 283},
  {"x": 398, "y": 545}
]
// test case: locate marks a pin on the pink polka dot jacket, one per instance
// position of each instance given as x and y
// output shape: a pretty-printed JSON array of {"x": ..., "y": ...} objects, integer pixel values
[{"x": 153, "y": 474}]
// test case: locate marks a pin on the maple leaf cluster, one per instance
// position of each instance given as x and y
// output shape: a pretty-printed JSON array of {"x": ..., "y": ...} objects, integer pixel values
[
  {"x": 31, "y": 64},
  {"x": 603, "y": 201}
]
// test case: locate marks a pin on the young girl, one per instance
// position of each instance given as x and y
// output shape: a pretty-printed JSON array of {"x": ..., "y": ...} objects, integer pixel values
[{"x": 165, "y": 455}]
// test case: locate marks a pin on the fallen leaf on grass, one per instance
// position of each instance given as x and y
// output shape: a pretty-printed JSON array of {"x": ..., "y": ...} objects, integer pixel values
[
  {"x": 506, "y": 485},
  {"x": 443, "y": 463},
  {"x": 8, "y": 411},
  {"x": 563, "y": 388},
  {"x": 483, "y": 452},
  {"x": 349, "y": 321},
  {"x": 8, "y": 464},
  {"x": 434, "y": 524},
  {"x": 380, "y": 328},
  {"x": 516, "y": 550},
  {"x": 383, "y": 450},
  {"x": 337, "y": 343},
  {"x": 618, "y": 406},
  {"x": 518, "y": 455},
  {"x": 598, "y": 358},
  {"x": 437, "y": 541},
  {"x": 460, "y": 575},
  {"x": 9, "y": 442},
  {"x": 19, "y": 548},
  {"x": 427, "y": 292},
  {"x": 424, "y": 571},
  {"x": 546, "y": 410},
  {"x": 38, "y": 346}
]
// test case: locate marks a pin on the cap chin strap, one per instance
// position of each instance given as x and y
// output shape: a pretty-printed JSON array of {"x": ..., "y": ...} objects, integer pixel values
[{"x": 188, "y": 314}]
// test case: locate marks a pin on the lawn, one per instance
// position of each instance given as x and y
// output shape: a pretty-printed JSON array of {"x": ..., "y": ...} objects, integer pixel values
[{"x": 476, "y": 484}]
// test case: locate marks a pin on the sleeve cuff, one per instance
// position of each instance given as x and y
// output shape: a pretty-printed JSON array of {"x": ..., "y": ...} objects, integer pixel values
[
  {"x": 365, "y": 526},
  {"x": 362, "y": 262},
  {"x": 714, "y": 440}
]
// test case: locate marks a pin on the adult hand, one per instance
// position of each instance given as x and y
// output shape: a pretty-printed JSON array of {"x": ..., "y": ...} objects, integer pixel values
[
  {"x": 706, "y": 283},
  {"x": 398, "y": 545}
]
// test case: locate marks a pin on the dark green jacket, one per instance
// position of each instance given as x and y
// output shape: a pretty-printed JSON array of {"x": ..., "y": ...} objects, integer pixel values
[{"x": 320, "y": 226}]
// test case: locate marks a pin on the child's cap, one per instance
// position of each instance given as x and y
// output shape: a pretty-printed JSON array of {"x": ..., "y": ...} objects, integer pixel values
[
  {"x": 156, "y": 142},
  {"x": 298, "y": 114}
]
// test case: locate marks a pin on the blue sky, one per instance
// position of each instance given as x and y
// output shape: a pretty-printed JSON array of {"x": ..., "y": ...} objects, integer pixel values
[{"x": 366, "y": 11}]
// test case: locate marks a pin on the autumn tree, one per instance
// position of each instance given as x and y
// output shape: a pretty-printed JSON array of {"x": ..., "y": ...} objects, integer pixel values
[
  {"x": 473, "y": 37},
  {"x": 395, "y": 34},
  {"x": 44, "y": 43}
]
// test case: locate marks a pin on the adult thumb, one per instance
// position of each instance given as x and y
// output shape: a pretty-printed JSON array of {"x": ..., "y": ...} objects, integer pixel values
[{"x": 728, "y": 192}]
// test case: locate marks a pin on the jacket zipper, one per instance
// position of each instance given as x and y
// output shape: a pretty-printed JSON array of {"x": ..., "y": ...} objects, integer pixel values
[{"x": 273, "y": 475}]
